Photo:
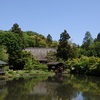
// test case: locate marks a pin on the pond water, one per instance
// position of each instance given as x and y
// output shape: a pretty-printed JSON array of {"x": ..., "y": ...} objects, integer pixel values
[{"x": 67, "y": 87}]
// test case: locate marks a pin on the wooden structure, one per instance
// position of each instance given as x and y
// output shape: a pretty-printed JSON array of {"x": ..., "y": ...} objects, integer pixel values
[
  {"x": 57, "y": 67},
  {"x": 2, "y": 63}
]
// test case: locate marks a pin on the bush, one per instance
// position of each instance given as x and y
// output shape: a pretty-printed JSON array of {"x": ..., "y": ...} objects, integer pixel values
[
  {"x": 40, "y": 66},
  {"x": 84, "y": 65}
]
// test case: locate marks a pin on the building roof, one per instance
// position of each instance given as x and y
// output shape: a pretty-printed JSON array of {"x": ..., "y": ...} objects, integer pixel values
[
  {"x": 2, "y": 62},
  {"x": 40, "y": 53}
]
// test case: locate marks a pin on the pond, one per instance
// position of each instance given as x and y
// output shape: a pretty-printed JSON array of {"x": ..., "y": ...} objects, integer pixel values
[{"x": 61, "y": 87}]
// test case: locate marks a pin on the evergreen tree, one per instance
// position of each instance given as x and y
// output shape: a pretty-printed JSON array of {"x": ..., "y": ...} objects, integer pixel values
[
  {"x": 64, "y": 49},
  {"x": 16, "y": 29},
  {"x": 98, "y": 38},
  {"x": 87, "y": 41},
  {"x": 49, "y": 40}
]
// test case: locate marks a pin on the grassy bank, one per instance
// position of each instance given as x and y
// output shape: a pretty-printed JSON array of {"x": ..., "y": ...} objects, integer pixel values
[{"x": 25, "y": 73}]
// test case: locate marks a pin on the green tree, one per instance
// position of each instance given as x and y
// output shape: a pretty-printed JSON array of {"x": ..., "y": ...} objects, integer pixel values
[
  {"x": 16, "y": 29},
  {"x": 14, "y": 48},
  {"x": 87, "y": 41},
  {"x": 95, "y": 49},
  {"x": 37, "y": 40},
  {"x": 49, "y": 40},
  {"x": 30, "y": 42},
  {"x": 98, "y": 38},
  {"x": 12, "y": 41},
  {"x": 64, "y": 49}
]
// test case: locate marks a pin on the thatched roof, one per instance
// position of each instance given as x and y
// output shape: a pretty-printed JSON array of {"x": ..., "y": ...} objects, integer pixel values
[
  {"x": 40, "y": 53},
  {"x": 2, "y": 62}
]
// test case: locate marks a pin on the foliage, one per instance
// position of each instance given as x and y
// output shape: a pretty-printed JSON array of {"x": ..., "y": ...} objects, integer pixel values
[
  {"x": 81, "y": 59},
  {"x": 54, "y": 44},
  {"x": 14, "y": 46},
  {"x": 87, "y": 40},
  {"x": 30, "y": 42},
  {"x": 12, "y": 41},
  {"x": 49, "y": 40},
  {"x": 3, "y": 53},
  {"x": 84, "y": 65},
  {"x": 64, "y": 50},
  {"x": 16, "y": 29},
  {"x": 40, "y": 66},
  {"x": 98, "y": 38},
  {"x": 28, "y": 60},
  {"x": 93, "y": 50},
  {"x": 51, "y": 56}
]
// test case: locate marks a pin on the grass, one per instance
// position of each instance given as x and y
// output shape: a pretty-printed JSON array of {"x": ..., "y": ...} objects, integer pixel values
[{"x": 25, "y": 73}]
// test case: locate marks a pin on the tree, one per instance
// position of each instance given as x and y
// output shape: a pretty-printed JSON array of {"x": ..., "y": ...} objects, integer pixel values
[
  {"x": 87, "y": 41},
  {"x": 12, "y": 41},
  {"x": 37, "y": 40},
  {"x": 51, "y": 56},
  {"x": 49, "y": 40},
  {"x": 95, "y": 49},
  {"x": 98, "y": 38},
  {"x": 30, "y": 42},
  {"x": 16, "y": 29},
  {"x": 13, "y": 44},
  {"x": 64, "y": 49}
]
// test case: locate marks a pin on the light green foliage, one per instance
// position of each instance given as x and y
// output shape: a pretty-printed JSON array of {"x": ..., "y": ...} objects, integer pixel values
[
  {"x": 84, "y": 65},
  {"x": 33, "y": 39},
  {"x": 28, "y": 60},
  {"x": 40, "y": 66},
  {"x": 87, "y": 40},
  {"x": 54, "y": 44},
  {"x": 31, "y": 63},
  {"x": 90, "y": 48},
  {"x": 51, "y": 56},
  {"x": 3, "y": 53},
  {"x": 94, "y": 50}
]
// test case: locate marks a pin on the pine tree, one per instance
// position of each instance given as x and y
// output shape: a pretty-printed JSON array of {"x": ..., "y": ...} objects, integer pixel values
[
  {"x": 49, "y": 40},
  {"x": 16, "y": 29},
  {"x": 64, "y": 49}
]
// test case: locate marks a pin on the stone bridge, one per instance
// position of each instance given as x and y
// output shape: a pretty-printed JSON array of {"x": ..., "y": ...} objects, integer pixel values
[{"x": 40, "y": 53}]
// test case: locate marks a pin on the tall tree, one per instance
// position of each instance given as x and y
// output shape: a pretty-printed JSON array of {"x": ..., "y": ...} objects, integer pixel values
[
  {"x": 64, "y": 48},
  {"x": 49, "y": 40},
  {"x": 14, "y": 48},
  {"x": 16, "y": 29},
  {"x": 87, "y": 41}
]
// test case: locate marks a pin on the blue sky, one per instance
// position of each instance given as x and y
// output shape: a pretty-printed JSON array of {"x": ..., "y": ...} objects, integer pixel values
[{"x": 52, "y": 17}]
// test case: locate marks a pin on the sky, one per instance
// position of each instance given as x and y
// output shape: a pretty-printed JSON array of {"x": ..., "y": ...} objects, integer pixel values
[{"x": 52, "y": 17}]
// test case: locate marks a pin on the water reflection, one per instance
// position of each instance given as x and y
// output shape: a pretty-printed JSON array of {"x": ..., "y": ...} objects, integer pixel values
[{"x": 60, "y": 87}]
